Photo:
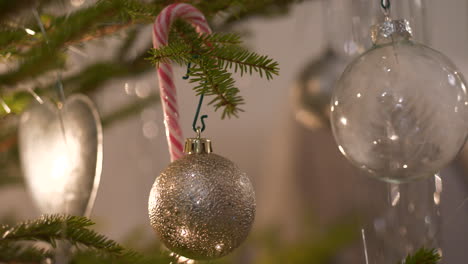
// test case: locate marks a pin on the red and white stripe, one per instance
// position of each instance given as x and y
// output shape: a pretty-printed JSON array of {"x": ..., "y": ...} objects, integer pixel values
[{"x": 167, "y": 87}]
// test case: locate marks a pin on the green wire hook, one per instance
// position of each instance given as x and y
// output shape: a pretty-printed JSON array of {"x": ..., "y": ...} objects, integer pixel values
[
  {"x": 187, "y": 75},
  {"x": 385, "y": 4},
  {"x": 196, "y": 128},
  {"x": 202, "y": 118},
  {"x": 188, "y": 72}
]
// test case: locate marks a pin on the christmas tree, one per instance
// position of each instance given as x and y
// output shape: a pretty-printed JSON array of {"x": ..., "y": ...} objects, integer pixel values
[{"x": 37, "y": 38}]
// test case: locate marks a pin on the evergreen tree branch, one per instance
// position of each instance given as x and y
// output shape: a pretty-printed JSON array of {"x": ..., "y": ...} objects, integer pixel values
[
  {"x": 15, "y": 253},
  {"x": 50, "y": 228},
  {"x": 46, "y": 56},
  {"x": 90, "y": 246},
  {"x": 212, "y": 55},
  {"x": 88, "y": 23},
  {"x": 104, "y": 18},
  {"x": 82, "y": 25},
  {"x": 8, "y": 8},
  {"x": 214, "y": 81},
  {"x": 244, "y": 61},
  {"x": 11, "y": 40},
  {"x": 88, "y": 80},
  {"x": 186, "y": 45},
  {"x": 93, "y": 256},
  {"x": 117, "y": 15},
  {"x": 177, "y": 52},
  {"x": 423, "y": 256},
  {"x": 245, "y": 9}
]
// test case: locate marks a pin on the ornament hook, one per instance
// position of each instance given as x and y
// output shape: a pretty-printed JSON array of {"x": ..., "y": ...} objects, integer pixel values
[
  {"x": 385, "y": 4},
  {"x": 202, "y": 118},
  {"x": 186, "y": 76}
]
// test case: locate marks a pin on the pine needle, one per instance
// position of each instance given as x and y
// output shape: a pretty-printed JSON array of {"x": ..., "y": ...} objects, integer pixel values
[
  {"x": 211, "y": 56},
  {"x": 423, "y": 256},
  {"x": 11, "y": 252},
  {"x": 50, "y": 228}
]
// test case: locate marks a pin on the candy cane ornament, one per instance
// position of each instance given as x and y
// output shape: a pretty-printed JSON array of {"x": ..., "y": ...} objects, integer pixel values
[{"x": 167, "y": 87}]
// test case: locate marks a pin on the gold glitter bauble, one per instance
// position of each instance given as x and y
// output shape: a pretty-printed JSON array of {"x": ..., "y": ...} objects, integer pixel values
[{"x": 202, "y": 206}]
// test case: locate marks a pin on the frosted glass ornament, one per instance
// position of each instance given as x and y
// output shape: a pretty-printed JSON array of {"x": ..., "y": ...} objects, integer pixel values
[
  {"x": 61, "y": 155},
  {"x": 400, "y": 110}
]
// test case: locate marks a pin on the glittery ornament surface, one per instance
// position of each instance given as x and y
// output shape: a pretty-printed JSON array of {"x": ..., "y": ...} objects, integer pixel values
[
  {"x": 202, "y": 206},
  {"x": 61, "y": 155}
]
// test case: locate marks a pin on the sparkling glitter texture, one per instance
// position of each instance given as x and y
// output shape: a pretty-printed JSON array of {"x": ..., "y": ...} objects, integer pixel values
[{"x": 202, "y": 206}]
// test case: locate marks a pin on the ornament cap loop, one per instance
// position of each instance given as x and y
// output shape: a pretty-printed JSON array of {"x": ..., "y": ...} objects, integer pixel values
[
  {"x": 198, "y": 146},
  {"x": 390, "y": 30}
]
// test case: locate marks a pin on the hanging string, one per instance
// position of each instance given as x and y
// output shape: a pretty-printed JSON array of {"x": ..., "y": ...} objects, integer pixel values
[
  {"x": 59, "y": 84},
  {"x": 41, "y": 26},
  {"x": 44, "y": 34},
  {"x": 59, "y": 89}
]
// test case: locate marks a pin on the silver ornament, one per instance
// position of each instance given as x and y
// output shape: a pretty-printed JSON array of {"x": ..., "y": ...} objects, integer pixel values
[
  {"x": 312, "y": 90},
  {"x": 61, "y": 155},
  {"x": 202, "y": 206}
]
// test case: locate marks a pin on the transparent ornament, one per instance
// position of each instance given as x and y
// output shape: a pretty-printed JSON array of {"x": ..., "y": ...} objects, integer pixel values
[
  {"x": 400, "y": 110},
  {"x": 346, "y": 29}
]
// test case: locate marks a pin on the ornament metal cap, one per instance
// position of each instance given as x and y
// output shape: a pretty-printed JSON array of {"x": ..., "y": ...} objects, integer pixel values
[
  {"x": 390, "y": 30},
  {"x": 197, "y": 146}
]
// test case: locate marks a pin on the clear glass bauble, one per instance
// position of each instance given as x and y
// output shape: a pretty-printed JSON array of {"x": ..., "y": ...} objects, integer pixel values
[
  {"x": 400, "y": 110},
  {"x": 346, "y": 37}
]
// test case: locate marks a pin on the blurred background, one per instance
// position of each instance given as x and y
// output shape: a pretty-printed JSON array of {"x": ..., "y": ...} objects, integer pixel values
[{"x": 312, "y": 205}]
